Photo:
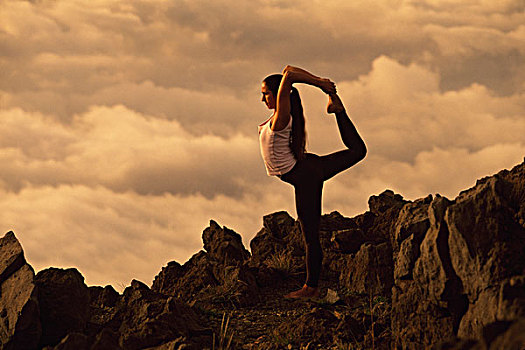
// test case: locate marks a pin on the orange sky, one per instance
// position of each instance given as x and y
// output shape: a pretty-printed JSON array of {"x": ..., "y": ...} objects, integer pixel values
[{"x": 127, "y": 126}]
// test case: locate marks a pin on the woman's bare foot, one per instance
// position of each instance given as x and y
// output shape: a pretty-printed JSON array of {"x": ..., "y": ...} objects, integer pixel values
[
  {"x": 304, "y": 293},
  {"x": 335, "y": 105}
]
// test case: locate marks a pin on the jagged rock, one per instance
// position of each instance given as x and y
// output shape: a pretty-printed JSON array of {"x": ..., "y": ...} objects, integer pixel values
[
  {"x": 468, "y": 269},
  {"x": 365, "y": 221},
  {"x": 427, "y": 300},
  {"x": 103, "y": 296},
  {"x": 507, "y": 335},
  {"x": 271, "y": 239},
  {"x": 487, "y": 243},
  {"x": 219, "y": 270},
  {"x": 72, "y": 341},
  {"x": 339, "y": 236},
  {"x": 511, "y": 299},
  {"x": 106, "y": 340},
  {"x": 64, "y": 303},
  {"x": 150, "y": 319},
  {"x": 384, "y": 210},
  {"x": 166, "y": 281},
  {"x": 406, "y": 257},
  {"x": 278, "y": 224},
  {"x": 188, "y": 280},
  {"x": 336, "y": 222},
  {"x": 369, "y": 271},
  {"x": 412, "y": 221},
  {"x": 410, "y": 229},
  {"x": 11, "y": 256},
  {"x": 224, "y": 245},
  {"x": 103, "y": 311},
  {"x": 348, "y": 241},
  {"x": 19, "y": 314},
  {"x": 387, "y": 200}
]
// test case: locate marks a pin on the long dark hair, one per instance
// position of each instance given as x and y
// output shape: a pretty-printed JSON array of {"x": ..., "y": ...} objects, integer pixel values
[{"x": 298, "y": 139}]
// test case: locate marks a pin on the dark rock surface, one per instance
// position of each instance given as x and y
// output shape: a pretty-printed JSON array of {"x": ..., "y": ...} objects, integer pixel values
[
  {"x": 219, "y": 272},
  {"x": 72, "y": 341},
  {"x": 429, "y": 273},
  {"x": 64, "y": 303},
  {"x": 19, "y": 315},
  {"x": 151, "y": 319},
  {"x": 487, "y": 244},
  {"x": 369, "y": 271}
]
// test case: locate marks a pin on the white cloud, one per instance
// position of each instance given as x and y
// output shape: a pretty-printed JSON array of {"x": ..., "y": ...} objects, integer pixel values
[
  {"x": 115, "y": 237},
  {"x": 124, "y": 150}
]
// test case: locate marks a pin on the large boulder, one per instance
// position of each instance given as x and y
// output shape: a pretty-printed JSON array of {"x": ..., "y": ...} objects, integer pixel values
[
  {"x": 379, "y": 222},
  {"x": 186, "y": 281},
  {"x": 385, "y": 201},
  {"x": 150, "y": 319},
  {"x": 280, "y": 233},
  {"x": 461, "y": 266},
  {"x": 427, "y": 299},
  {"x": 224, "y": 245},
  {"x": 348, "y": 241},
  {"x": 103, "y": 296},
  {"x": 369, "y": 271},
  {"x": 64, "y": 303},
  {"x": 19, "y": 313},
  {"x": 487, "y": 245},
  {"x": 366, "y": 265},
  {"x": 103, "y": 312},
  {"x": 220, "y": 273}
]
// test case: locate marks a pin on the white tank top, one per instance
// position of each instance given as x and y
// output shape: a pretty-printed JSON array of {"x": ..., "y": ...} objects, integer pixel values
[{"x": 275, "y": 148}]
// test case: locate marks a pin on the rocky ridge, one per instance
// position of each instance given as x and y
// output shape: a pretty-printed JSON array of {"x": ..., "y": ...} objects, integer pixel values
[{"x": 429, "y": 273}]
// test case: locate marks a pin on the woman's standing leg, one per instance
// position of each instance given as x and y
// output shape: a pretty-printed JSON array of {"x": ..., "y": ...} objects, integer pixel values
[
  {"x": 308, "y": 199},
  {"x": 308, "y": 184}
]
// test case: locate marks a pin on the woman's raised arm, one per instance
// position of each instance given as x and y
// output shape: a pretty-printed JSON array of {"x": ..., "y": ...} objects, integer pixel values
[{"x": 293, "y": 75}]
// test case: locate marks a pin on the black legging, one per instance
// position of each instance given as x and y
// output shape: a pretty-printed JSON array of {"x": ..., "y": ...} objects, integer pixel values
[{"x": 308, "y": 176}]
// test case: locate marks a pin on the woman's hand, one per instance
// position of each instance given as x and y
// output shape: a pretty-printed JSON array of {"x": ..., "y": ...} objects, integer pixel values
[
  {"x": 327, "y": 86},
  {"x": 299, "y": 75}
]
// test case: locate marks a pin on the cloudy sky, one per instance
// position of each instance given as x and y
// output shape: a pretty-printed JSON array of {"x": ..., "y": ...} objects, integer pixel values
[{"x": 127, "y": 125}]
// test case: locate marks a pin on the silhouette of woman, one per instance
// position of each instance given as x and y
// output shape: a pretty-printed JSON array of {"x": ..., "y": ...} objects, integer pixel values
[{"x": 282, "y": 142}]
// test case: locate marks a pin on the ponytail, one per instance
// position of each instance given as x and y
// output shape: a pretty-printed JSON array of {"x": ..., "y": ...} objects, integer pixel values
[{"x": 298, "y": 139}]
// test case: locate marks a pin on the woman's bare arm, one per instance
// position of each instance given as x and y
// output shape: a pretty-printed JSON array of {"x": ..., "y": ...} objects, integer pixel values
[
  {"x": 281, "y": 117},
  {"x": 293, "y": 75}
]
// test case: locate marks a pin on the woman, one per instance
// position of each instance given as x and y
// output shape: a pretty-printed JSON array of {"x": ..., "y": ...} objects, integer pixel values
[{"x": 282, "y": 141}]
